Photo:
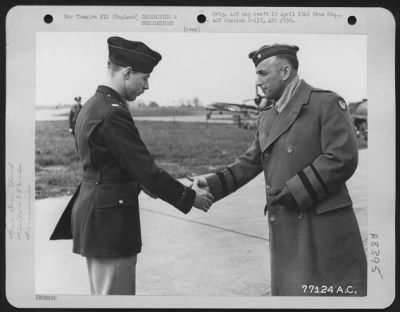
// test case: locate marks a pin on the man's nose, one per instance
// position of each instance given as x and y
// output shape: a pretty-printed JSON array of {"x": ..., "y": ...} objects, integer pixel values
[
  {"x": 146, "y": 85},
  {"x": 258, "y": 81}
]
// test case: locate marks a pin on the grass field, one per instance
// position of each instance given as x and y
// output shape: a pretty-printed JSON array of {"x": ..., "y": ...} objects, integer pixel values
[{"x": 181, "y": 148}]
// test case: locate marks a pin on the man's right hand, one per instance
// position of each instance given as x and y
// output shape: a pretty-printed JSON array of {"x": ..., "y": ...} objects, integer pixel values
[
  {"x": 204, "y": 199},
  {"x": 202, "y": 183}
]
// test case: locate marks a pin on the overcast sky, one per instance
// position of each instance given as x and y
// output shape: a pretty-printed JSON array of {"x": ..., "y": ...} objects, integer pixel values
[{"x": 209, "y": 66}]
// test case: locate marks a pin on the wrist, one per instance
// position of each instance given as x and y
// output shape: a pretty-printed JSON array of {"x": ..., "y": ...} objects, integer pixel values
[{"x": 186, "y": 200}]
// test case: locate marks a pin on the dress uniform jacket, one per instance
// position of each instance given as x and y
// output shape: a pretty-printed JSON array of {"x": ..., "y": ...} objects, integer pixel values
[
  {"x": 102, "y": 217},
  {"x": 311, "y": 148}
]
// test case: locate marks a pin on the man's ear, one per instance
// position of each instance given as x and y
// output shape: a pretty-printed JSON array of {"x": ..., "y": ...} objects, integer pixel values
[
  {"x": 127, "y": 71},
  {"x": 286, "y": 72}
]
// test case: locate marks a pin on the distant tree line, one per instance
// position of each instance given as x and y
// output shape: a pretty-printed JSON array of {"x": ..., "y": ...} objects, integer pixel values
[{"x": 193, "y": 103}]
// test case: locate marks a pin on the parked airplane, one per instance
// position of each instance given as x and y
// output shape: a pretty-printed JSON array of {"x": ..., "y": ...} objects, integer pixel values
[
  {"x": 230, "y": 107},
  {"x": 244, "y": 115}
]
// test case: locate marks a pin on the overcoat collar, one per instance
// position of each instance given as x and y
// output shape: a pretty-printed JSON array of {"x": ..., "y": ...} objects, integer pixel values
[{"x": 287, "y": 117}]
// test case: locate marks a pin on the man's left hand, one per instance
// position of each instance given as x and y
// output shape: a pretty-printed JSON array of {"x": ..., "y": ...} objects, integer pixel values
[{"x": 283, "y": 197}]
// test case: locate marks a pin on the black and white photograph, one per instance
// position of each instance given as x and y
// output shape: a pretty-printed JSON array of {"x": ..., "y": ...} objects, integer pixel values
[{"x": 229, "y": 159}]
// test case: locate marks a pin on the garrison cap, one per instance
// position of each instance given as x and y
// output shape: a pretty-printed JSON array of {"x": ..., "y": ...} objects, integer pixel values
[
  {"x": 267, "y": 51},
  {"x": 132, "y": 53}
]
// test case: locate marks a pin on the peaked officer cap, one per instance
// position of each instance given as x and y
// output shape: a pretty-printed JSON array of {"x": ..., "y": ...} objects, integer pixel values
[
  {"x": 132, "y": 53},
  {"x": 267, "y": 51}
]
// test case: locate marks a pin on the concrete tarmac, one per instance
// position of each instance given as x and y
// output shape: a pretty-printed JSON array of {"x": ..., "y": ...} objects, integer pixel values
[{"x": 224, "y": 252}]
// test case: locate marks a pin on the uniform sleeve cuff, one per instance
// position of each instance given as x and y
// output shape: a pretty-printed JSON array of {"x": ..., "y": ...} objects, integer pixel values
[
  {"x": 214, "y": 183},
  {"x": 299, "y": 193},
  {"x": 187, "y": 201}
]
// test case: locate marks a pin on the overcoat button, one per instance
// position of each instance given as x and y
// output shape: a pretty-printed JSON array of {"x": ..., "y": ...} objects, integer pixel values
[
  {"x": 301, "y": 216},
  {"x": 268, "y": 186},
  {"x": 272, "y": 218},
  {"x": 121, "y": 201},
  {"x": 290, "y": 149}
]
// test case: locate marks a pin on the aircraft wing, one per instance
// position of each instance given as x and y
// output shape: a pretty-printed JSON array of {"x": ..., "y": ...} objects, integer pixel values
[{"x": 231, "y": 107}]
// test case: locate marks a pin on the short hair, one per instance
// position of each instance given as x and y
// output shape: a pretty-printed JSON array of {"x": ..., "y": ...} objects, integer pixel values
[
  {"x": 291, "y": 59},
  {"x": 113, "y": 68}
]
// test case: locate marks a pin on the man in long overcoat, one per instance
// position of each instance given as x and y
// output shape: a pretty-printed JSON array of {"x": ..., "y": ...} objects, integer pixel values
[
  {"x": 306, "y": 146},
  {"x": 102, "y": 217}
]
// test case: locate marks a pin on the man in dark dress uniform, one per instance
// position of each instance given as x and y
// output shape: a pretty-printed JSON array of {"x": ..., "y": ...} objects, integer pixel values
[
  {"x": 306, "y": 147},
  {"x": 102, "y": 217}
]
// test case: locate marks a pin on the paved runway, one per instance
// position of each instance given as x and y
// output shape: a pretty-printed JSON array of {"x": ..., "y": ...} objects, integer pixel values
[{"x": 220, "y": 253}]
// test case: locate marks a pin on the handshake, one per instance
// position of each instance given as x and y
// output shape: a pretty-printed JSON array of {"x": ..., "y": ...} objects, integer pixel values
[{"x": 204, "y": 198}]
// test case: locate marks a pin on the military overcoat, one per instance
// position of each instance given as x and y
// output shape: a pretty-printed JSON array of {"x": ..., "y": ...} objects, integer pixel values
[
  {"x": 102, "y": 217},
  {"x": 311, "y": 148}
]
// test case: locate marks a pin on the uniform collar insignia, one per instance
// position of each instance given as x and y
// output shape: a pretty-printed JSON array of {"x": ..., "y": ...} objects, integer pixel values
[{"x": 109, "y": 92}]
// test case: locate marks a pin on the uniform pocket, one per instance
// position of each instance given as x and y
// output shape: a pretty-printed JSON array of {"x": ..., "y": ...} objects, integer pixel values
[
  {"x": 117, "y": 218},
  {"x": 109, "y": 196},
  {"x": 338, "y": 200}
]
